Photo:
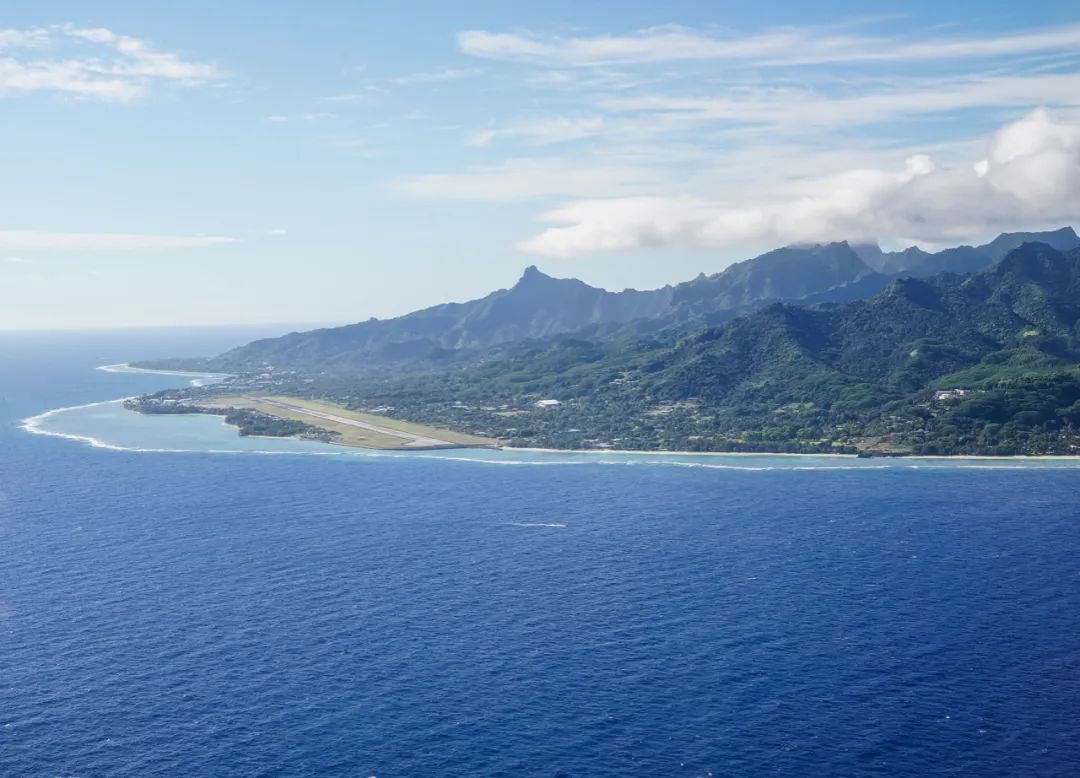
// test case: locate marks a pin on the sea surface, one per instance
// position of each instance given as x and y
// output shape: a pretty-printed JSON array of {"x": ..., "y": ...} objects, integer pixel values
[{"x": 176, "y": 600}]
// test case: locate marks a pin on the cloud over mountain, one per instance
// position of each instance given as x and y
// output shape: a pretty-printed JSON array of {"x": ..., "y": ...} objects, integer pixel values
[{"x": 1029, "y": 176}]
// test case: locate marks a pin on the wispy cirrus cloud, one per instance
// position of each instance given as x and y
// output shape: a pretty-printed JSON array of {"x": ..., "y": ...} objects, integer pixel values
[
  {"x": 651, "y": 84},
  {"x": 787, "y": 106},
  {"x": 541, "y": 131},
  {"x": 780, "y": 47},
  {"x": 436, "y": 76},
  {"x": 310, "y": 116},
  {"x": 90, "y": 63},
  {"x": 24, "y": 240},
  {"x": 525, "y": 179}
]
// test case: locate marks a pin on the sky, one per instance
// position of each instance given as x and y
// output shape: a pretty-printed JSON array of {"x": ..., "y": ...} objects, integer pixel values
[{"x": 254, "y": 162}]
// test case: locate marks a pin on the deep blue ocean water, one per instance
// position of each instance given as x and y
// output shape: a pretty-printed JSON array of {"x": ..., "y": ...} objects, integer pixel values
[{"x": 166, "y": 614}]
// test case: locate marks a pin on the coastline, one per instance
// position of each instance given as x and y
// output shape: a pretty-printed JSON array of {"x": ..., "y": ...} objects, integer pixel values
[
  {"x": 33, "y": 425},
  {"x": 947, "y": 457},
  {"x": 198, "y": 379}
]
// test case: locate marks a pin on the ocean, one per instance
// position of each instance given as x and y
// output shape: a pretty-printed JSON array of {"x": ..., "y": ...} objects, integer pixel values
[{"x": 175, "y": 600}]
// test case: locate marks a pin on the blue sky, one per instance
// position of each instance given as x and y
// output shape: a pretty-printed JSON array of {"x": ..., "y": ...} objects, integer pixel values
[{"x": 250, "y": 162}]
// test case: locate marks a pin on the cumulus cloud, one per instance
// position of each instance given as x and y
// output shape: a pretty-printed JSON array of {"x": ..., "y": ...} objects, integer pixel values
[
  {"x": 788, "y": 46},
  {"x": 21, "y": 240},
  {"x": 117, "y": 67},
  {"x": 1030, "y": 176},
  {"x": 36, "y": 36}
]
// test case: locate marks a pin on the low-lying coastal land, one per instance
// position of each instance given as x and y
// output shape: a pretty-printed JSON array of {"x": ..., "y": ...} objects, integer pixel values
[{"x": 283, "y": 416}]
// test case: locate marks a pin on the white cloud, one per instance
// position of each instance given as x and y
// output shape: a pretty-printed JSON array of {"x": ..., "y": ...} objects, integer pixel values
[
  {"x": 1030, "y": 177},
  {"x": 523, "y": 179},
  {"x": 17, "y": 260},
  {"x": 480, "y": 138},
  {"x": 120, "y": 68},
  {"x": 278, "y": 232},
  {"x": 436, "y": 76},
  {"x": 20, "y": 240},
  {"x": 753, "y": 111},
  {"x": 543, "y": 131},
  {"x": 368, "y": 93},
  {"x": 36, "y": 36},
  {"x": 140, "y": 59},
  {"x": 69, "y": 77},
  {"x": 800, "y": 108},
  {"x": 314, "y": 116},
  {"x": 787, "y": 46}
]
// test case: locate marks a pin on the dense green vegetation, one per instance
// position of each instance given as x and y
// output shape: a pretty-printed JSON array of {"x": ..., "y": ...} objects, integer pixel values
[
  {"x": 982, "y": 364},
  {"x": 986, "y": 363}
]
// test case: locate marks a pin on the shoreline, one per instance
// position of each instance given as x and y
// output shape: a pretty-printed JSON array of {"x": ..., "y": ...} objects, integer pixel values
[
  {"x": 197, "y": 378},
  {"x": 126, "y": 367},
  {"x": 32, "y": 424},
  {"x": 901, "y": 457}
]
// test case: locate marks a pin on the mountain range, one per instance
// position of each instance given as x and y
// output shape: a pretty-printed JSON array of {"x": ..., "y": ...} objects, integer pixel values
[
  {"x": 804, "y": 348},
  {"x": 540, "y": 306},
  {"x": 987, "y": 362}
]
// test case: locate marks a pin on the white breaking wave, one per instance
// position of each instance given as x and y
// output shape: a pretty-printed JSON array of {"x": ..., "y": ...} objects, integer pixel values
[
  {"x": 32, "y": 424},
  {"x": 36, "y": 426},
  {"x": 197, "y": 379}
]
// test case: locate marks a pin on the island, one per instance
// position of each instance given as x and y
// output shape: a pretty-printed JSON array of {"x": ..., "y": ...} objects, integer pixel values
[{"x": 982, "y": 362}]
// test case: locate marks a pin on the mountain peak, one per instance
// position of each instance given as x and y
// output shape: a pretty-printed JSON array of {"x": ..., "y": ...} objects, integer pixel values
[
  {"x": 1062, "y": 239},
  {"x": 1032, "y": 260},
  {"x": 533, "y": 275}
]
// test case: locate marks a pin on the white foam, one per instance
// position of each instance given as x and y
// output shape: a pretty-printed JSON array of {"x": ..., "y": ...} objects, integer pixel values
[
  {"x": 35, "y": 425},
  {"x": 534, "y": 524},
  {"x": 197, "y": 379},
  {"x": 32, "y": 424}
]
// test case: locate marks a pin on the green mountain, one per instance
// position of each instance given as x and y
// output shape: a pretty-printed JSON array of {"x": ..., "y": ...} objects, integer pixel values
[
  {"x": 914, "y": 261},
  {"x": 984, "y": 363},
  {"x": 536, "y": 306},
  {"x": 539, "y": 307},
  {"x": 789, "y": 273}
]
